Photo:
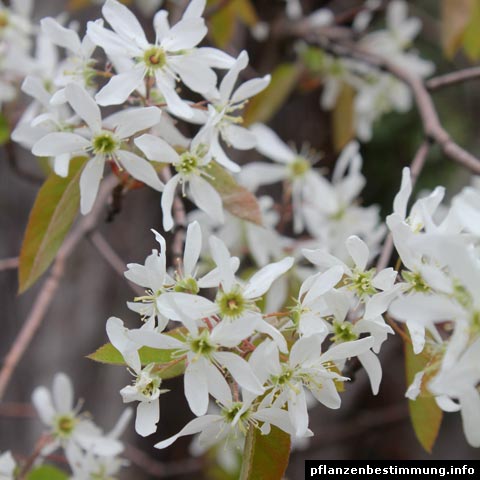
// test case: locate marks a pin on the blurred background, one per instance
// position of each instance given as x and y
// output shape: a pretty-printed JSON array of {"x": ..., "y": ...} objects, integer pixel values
[{"x": 366, "y": 427}]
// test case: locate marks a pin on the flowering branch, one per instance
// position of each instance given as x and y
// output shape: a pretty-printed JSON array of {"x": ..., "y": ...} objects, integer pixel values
[{"x": 453, "y": 78}]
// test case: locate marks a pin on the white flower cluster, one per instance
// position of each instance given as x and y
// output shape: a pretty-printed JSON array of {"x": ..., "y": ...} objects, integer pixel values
[
  {"x": 90, "y": 452},
  {"x": 376, "y": 93},
  {"x": 258, "y": 367},
  {"x": 438, "y": 301}
]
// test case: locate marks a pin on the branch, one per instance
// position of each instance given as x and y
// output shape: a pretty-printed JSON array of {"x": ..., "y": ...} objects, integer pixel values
[
  {"x": 431, "y": 124},
  {"x": 453, "y": 78},
  {"x": 112, "y": 258},
  {"x": 8, "y": 263},
  {"x": 49, "y": 288},
  {"x": 415, "y": 169}
]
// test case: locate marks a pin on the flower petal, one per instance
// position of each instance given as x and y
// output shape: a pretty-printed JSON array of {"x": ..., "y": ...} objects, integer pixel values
[{"x": 140, "y": 169}]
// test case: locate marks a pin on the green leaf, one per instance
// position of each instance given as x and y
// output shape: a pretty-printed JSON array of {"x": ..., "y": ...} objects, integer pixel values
[
  {"x": 168, "y": 366},
  {"x": 4, "y": 130},
  {"x": 455, "y": 18},
  {"x": 471, "y": 37},
  {"x": 236, "y": 199},
  {"x": 266, "y": 104},
  {"x": 47, "y": 472},
  {"x": 265, "y": 457},
  {"x": 51, "y": 217},
  {"x": 425, "y": 414},
  {"x": 342, "y": 118}
]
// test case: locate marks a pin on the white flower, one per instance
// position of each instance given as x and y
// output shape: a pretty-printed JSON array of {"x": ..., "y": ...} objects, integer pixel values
[
  {"x": 68, "y": 429},
  {"x": 146, "y": 387},
  {"x": 205, "y": 357},
  {"x": 172, "y": 55},
  {"x": 306, "y": 368},
  {"x": 7, "y": 466},
  {"x": 234, "y": 419},
  {"x": 223, "y": 120},
  {"x": 101, "y": 141},
  {"x": 295, "y": 167},
  {"x": 191, "y": 167}
]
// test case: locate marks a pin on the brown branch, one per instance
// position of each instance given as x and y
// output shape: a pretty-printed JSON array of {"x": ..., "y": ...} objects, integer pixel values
[
  {"x": 162, "y": 469},
  {"x": 43, "y": 441},
  {"x": 17, "y": 410},
  {"x": 453, "y": 78},
  {"x": 112, "y": 258},
  {"x": 8, "y": 263},
  {"x": 50, "y": 287},
  {"x": 415, "y": 169},
  {"x": 432, "y": 127}
]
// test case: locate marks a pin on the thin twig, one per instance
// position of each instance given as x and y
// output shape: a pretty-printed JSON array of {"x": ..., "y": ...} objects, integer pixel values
[
  {"x": 11, "y": 155},
  {"x": 453, "y": 78},
  {"x": 50, "y": 287},
  {"x": 112, "y": 258},
  {"x": 415, "y": 169},
  {"x": 8, "y": 263},
  {"x": 162, "y": 469},
  {"x": 43, "y": 441},
  {"x": 432, "y": 127},
  {"x": 17, "y": 410}
]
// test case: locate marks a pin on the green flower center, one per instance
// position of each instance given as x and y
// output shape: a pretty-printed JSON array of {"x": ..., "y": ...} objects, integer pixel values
[
  {"x": 188, "y": 163},
  {"x": 416, "y": 281},
  {"x": 230, "y": 413},
  {"x": 284, "y": 377},
  {"x": 299, "y": 167},
  {"x": 343, "y": 332},
  {"x": 202, "y": 344},
  {"x": 64, "y": 425},
  {"x": 155, "y": 57},
  {"x": 361, "y": 283},
  {"x": 187, "y": 285},
  {"x": 104, "y": 143},
  {"x": 148, "y": 384},
  {"x": 232, "y": 304}
]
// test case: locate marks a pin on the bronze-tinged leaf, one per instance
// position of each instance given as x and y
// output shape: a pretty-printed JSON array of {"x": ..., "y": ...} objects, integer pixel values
[
  {"x": 265, "y": 457},
  {"x": 425, "y": 415},
  {"x": 456, "y": 15},
  {"x": 471, "y": 37},
  {"x": 53, "y": 212},
  {"x": 266, "y": 104},
  {"x": 236, "y": 199},
  {"x": 222, "y": 26},
  {"x": 343, "y": 118},
  {"x": 246, "y": 12}
]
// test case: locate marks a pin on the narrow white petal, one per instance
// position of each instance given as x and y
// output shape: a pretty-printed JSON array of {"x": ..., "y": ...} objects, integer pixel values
[
  {"x": 137, "y": 119},
  {"x": 221, "y": 257},
  {"x": 228, "y": 82},
  {"x": 148, "y": 415},
  {"x": 175, "y": 104},
  {"x": 61, "y": 36},
  {"x": 84, "y": 105},
  {"x": 250, "y": 88},
  {"x": 297, "y": 409},
  {"x": 193, "y": 247},
  {"x": 167, "y": 202},
  {"x": 262, "y": 280},
  {"x": 206, "y": 198},
  {"x": 57, "y": 143},
  {"x": 118, "y": 89},
  {"x": 156, "y": 149},
  {"x": 470, "y": 404},
  {"x": 42, "y": 401},
  {"x": 63, "y": 393},
  {"x": 140, "y": 169},
  {"x": 124, "y": 22},
  {"x": 194, "y": 426},
  {"x": 187, "y": 33},
  {"x": 358, "y": 250},
  {"x": 239, "y": 137},
  {"x": 240, "y": 370},
  {"x": 270, "y": 144},
  {"x": 372, "y": 366},
  {"x": 90, "y": 182},
  {"x": 196, "y": 387}
]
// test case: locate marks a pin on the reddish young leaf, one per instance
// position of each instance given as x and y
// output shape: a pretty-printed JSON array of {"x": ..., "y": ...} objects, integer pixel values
[{"x": 51, "y": 217}]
